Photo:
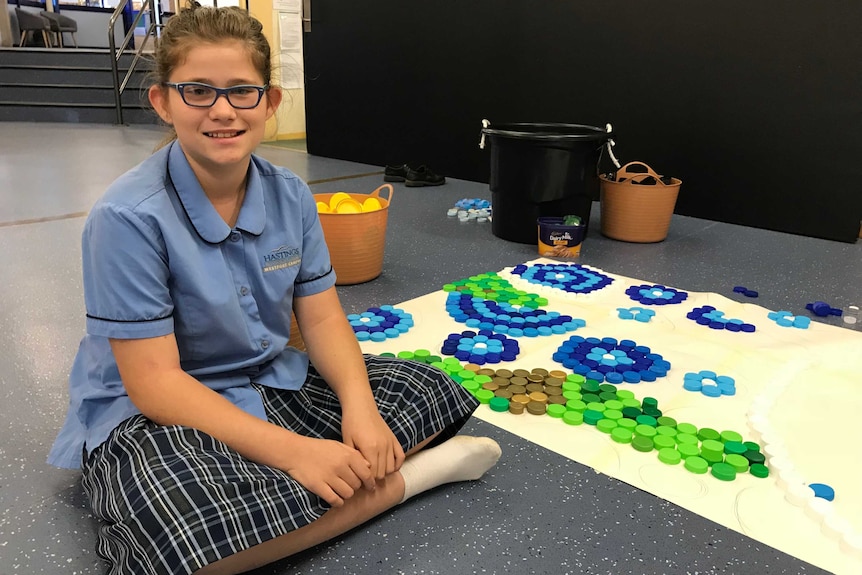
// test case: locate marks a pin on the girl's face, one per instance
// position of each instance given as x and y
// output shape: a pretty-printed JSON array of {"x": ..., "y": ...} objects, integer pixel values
[{"x": 219, "y": 139}]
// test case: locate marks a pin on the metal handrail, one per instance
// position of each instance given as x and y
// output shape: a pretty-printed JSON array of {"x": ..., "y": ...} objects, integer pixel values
[{"x": 116, "y": 54}]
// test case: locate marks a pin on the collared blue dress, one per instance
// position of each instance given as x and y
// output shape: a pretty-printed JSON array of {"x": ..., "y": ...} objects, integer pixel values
[{"x": 158, "y": 259}]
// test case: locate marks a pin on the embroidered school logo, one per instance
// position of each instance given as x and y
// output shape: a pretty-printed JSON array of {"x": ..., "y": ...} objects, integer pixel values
[{"x": 280, "y": 258}]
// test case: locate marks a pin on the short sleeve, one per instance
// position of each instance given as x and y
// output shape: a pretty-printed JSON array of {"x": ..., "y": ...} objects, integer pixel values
[
  {"x": 125, "y": 265},
  {"x": 315, "y": 272}
]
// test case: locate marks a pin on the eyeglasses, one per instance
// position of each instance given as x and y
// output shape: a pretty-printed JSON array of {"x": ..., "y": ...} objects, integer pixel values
[{"x": 199, "y": 95}]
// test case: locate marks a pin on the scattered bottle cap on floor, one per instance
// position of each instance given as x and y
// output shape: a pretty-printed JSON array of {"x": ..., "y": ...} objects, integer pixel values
[{"x": 823, "y": 309}]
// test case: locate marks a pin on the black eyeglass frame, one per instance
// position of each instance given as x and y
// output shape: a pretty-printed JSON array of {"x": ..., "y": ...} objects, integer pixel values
[{"x": 181, "y": 86}]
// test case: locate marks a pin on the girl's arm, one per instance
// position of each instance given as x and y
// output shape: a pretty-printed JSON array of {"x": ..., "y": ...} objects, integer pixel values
[
  {"x": 335, "y": 354},
  {"x": 163, "y": 392}
]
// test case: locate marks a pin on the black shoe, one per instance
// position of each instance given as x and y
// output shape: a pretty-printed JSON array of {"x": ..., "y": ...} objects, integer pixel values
[
  {"x": 422, "y": 176},
  {"x": 395, "y": 173}
]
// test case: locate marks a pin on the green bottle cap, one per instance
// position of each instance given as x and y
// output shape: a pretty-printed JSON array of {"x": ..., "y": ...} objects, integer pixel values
[
  {"x": 613, "y": 414},
  {"x": 696, "y": 464},
  {"x": 759, "y": 470},
  {"x": 590, "y": 386},
  {"x": 499, "y": 404},
  {"x": 466, "y": 374},
  {"x": 686, "y": 438},
  {"x": 482, "y": 379},
  {"x": 606, "y": 425},
  {"x": 663, "y": 442},
  {"x": 712, "y": 448},
  {"x": 645, "y": 430},
  {"x": 484, "y": 395},
  {"x": 592, "y": 417},
  {"x": 471, "y": 386},
  {"x": 708, "y": 433},
  {"x": 432, "y": 359},
  {"x": 631, "y": 412},
  {"x": 387, "y": 354},
  {"x": 556, "y": 410},
  {"x": 666, "y": 421},
  {"x": 605, "y": 396},
  {"x": 421, "y": 354},
  {"x": 576, "y": 378},
  {"x": 571, "y": 386},
  {"x": 573, "y": 417},
  {"x": 650, "y": 402},
  {"x": 576, "y": 405},
  {"x": 624, "y": 394},
  {"x": 572, "y": 395},
  {"x": 730, "y": 435},
  {"x": 738, "y": 462},
  {"x": 754, "y": 457},
  {"x": 405, "y": 355},
  {"x": 669, "y": 455},
  {"x": 723, "y": 471},
  {"x": 608, "y": 387},
  {"x": 647, "y": 420},
  {"x": 688, "y": 450},
  {"x": 652, "y": 412},
  {"x": 621, "y": 435},
  {"x": 590, "y": 397},
  {"x": 614, "y": 404},
  {"x": 751, "y": 445},
  {"x": 736, "y": 447},
  {"x": 630, "y": 402},
  {"x": 665, "y": 430},
  {"x": 686, "y": 428},
  {"x": 439, "y": 365},
  {"x": 596, "y": 406},
  {"x": 642, "y": 444},
  {"x": 629, "y": 424}
]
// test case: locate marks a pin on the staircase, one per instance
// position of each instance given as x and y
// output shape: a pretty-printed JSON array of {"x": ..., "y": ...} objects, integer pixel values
[{"x": 70, "y": 85}]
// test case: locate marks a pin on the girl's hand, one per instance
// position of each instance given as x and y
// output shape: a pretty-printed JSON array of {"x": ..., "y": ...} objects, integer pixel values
[
  {"x": 366, "y": 431},
  {"x": 330, "y": 469}
]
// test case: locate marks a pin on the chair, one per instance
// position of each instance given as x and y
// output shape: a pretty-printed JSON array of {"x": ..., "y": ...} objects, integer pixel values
[
  {"x": 60, "y": 24},
  {"x": 29, "y": 22}
]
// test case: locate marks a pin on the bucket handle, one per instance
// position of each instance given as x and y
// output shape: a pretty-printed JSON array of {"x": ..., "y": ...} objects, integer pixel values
[
  {"x": 624, "y": 172},
  {"x": 387, "y": 187}
]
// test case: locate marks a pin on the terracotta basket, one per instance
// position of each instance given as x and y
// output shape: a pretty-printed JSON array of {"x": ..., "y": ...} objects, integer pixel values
[
  {"x": 637, "y": 213},
  {"x": 356, "y": 241}
]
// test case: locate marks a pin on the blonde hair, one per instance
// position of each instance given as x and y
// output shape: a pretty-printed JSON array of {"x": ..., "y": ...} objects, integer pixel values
[{"x": 206, "y": 25}]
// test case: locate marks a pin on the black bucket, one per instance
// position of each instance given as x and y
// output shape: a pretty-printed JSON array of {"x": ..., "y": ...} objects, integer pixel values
[{"x": 541, "y": 170}]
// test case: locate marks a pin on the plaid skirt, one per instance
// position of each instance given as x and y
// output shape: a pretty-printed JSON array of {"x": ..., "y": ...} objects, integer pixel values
[{"x": 171, "y": 499}]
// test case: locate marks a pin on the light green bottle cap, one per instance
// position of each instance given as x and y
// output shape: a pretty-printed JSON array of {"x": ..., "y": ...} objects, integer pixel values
[
  {"x": 624, "y": 394},
  {"x": 576, "y": 378},
  {"x": 708, "y": 433},
  {"x": 642, "y": 444},
  {"x": 576, "y": 405},
  {"x": 484, "y": 395},
  {"x": 471, "y": 386},
  {"x": 556, "y": 410},
  {"x": 645, "y": 430},
  {"x": 712, "y": 448},
  {"x": 421, "y": 354},
  {"x": 626, "y": 423},
  {"x": 572, "y": 395},
  {"x": 686, "y": 428},
  {"x": 666, "y": 421},
  {"x": 596, "y": 406},
  {"x": 465, "y": 374},
  {"x": 738, "y": 462},
  {"x": 614, "y": 404},
  {"x": 662, "y": 442},
  {"x": 686, "y": 438},
  {"x": 606, "y": 425},
  {"x": 629, "y": 401},
  {"x": 621, "y": 435},
  {"x": 688, "y": 450},
  {"x": 613, "y": 414},
  {"x": 573, "y": 417},
  {"x": 665, "y": 430},
  {"x": 730, "y": 435},
  {"x": 571, "y": 386},
  {"x": 696, "y": 464},
  {"x": 669, "y": 455},
  {"x": 481, "y": 379}
]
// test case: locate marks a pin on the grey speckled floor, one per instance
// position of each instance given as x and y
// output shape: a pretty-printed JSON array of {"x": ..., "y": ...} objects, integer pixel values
[{"x": 534, "y": 513}]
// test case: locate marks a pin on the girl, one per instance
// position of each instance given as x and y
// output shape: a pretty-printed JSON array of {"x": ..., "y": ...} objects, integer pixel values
[{"x": 208, "y": 445}]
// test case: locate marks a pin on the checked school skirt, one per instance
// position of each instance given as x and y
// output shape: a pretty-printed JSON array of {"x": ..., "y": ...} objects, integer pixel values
[{"x": 171, "y": 499}]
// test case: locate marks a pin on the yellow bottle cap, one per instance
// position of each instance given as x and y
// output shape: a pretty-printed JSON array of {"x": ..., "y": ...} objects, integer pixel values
[{"x": 337, "y": 197}]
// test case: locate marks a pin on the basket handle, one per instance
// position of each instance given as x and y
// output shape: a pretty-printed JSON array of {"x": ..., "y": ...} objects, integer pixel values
[
  {"x": 388, "y": 187},
  {"x": 624, "y": 172}
]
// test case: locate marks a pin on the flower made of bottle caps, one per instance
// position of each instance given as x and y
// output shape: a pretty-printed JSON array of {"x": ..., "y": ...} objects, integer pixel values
[
  {"x": 610, "y": 360},
  {"x": 656, "y": 294},
  {"x": 787, "y": 319},
  {"x": 572, "y": 278},
  {"x": 380, "y": 323},
  {"x": 636, "y": 313},
  {"x": 714, "y": 319},
  {"x": 709, "y": 383},
  {"x": 505, "y": 318},
  {"x": 481, "y": 348}
]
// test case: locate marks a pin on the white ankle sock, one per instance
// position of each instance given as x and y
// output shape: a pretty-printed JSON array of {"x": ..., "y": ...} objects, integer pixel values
[{"x": 462, "y": 458}]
